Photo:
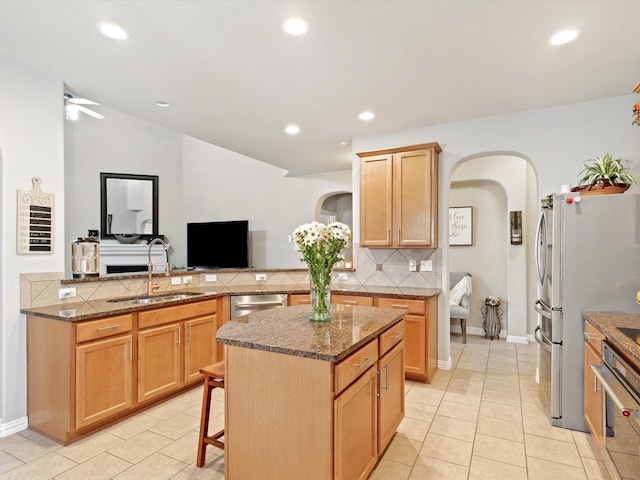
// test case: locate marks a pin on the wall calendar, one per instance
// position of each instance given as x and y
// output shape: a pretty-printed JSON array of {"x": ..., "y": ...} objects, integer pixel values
[{"x": 35, "y": 232}]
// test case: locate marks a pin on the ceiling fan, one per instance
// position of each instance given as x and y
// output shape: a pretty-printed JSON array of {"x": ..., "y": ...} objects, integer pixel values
[{"x": 74, "y": 105}]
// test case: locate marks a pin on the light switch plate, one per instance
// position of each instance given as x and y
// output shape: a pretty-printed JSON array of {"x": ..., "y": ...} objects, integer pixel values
[
  {"x": 261, "y": 277},
  {"x": 210, "y": 277},
  {"x": 187, "y": 279},
  {"x": 176, "y": 280},
  {"x": 426, "y": 265},
  {"x": 342, "y": 276},
  {"x": 67, "y": 292}
]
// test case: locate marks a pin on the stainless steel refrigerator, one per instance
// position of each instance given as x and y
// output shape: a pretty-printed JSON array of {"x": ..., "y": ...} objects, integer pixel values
[{"x": 588, "y": 258}]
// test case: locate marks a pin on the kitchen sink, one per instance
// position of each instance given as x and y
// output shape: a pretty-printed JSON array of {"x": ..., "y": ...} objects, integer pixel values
[{"x": 151, "y": 299}]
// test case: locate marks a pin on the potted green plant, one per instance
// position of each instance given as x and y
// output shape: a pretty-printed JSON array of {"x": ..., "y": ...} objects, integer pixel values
[{"x": 604, "y": 174}]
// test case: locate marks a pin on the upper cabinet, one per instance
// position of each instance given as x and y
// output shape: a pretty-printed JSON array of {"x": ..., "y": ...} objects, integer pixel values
[{"x": 399, "y": 197}]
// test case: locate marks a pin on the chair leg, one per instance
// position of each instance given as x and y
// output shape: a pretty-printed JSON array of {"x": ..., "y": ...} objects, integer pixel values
[
  {"x": 463, "y": 326},
  {"x": 204, "y": 422}
]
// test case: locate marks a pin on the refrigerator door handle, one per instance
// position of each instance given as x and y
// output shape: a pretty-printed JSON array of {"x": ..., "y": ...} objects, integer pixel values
[
  {"x": 541, "y": 339},
  {"x": 541, "y": 233}
]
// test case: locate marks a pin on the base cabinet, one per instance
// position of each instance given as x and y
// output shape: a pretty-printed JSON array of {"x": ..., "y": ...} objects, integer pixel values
[
  {"x": 592, "y": 391},
  {"x": 335, "y": 427},
  {"x": 104, "y": 372},
  {"x": 83, "y": 375}
]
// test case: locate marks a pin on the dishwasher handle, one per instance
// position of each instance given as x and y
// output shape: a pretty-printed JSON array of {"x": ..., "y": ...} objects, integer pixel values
[
  {"x": 258, "y": 305},
  {"x": 626, "y": 403}
]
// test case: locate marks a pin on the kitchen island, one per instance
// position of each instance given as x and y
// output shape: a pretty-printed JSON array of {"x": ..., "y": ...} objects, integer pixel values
[{"x": 311, "y": 400}]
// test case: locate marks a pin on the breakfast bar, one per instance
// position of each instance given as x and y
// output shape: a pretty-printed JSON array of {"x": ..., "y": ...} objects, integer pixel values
[{"x": 311, "y": 400}]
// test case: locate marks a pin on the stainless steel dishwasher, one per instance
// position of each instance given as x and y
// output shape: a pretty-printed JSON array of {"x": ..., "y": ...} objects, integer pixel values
[{"x": 245, "y": 304}]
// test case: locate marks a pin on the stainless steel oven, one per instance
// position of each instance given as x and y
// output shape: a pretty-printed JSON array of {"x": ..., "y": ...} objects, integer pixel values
[{"x": 621, "y": 415}]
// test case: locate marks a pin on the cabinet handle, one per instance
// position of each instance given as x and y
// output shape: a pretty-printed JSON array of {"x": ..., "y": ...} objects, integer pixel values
[
  {"x": 109, "y": 327},
  {"x": 386, "y": 377},
  {"x": 130, "y": 349},
  {"x": 378, "y": 389},
  {"x": 396, "y": 336},
  {"x": 179, "y": 336},
  {"x": 388, "y": 236},
  {"x": 350, "y": 302},
  {"x": 398, "y": 236},
  {"x": 397, "y": 305},
  {"x": 190, "y": 332},
  {"x": 595, "y": 384},
  {"x": 304, "y": 301},
  {"x": 364, "y": 362}
]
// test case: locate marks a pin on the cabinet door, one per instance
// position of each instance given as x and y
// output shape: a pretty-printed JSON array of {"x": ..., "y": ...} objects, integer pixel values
[
  {"x": 198, "y": 346},
  {"x": 355, "y": 444},
  {"x": 415, "y": 337},
  {"x": 592, "y": 394},
  {"x": 359, "y": 300},
  {"x": 376, "y": 201},
  {"x": 103, "y": 379},
  {"x": 159, "y": 360},
  {"x": 391, "y": 400},
  {"x": 415, "y": 199},
  {"x": 299, "y": 299}
]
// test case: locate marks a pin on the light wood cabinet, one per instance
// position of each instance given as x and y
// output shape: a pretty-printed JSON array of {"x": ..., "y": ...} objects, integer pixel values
[
  {"x": 299, "y": 299},
  {"x": 399, "y": 197},
  {"x": 104, "y": 372},
  {"x": 171, "y": 354},
  {"x": 592, "y": 391},
  {"x": 355, "y": 429},
  {"x": 359, "y": 300},
  {"x": 84, "y": 375},
  {"x": 350, "y": 407},
  {"x": 421, "y": 335}
]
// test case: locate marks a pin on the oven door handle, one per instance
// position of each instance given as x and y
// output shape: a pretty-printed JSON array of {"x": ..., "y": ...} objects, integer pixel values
[{"x": 629, "y": 406}]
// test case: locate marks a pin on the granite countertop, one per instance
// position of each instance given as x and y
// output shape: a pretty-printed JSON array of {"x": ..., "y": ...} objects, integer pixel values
[
  {"x": 288, "y": 330},
  {"x": 87, "y": 310},
  {"x": 608, "y": 322}
]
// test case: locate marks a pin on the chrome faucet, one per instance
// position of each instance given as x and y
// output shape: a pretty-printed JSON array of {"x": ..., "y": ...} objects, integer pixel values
[{"x": 152, "y": 286}]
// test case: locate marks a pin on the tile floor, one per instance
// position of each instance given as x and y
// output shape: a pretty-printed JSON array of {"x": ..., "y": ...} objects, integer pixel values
[{"x": 484, "y": 419}]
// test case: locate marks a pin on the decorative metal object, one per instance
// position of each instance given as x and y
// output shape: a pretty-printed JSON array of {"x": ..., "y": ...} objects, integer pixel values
[
  {"x": 515, "y": 220},
  {"x": 492, "y": 317}
]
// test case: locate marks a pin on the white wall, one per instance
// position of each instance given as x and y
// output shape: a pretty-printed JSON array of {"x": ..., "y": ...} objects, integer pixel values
[
  {"x": 224, "y": 185},
  {"x": 121, "y": 144},
  {"x": 554, "y": 140},
  {"x": 31, "y": 145}
]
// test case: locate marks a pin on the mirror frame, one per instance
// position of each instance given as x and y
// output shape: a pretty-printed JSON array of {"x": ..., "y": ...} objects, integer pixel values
[{"x": 103, "y": 201}]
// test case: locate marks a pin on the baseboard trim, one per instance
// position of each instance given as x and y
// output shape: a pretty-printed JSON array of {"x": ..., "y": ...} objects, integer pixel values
[
  {"x": 15, "y": 426},
  {"x": 517, "y": 339},
  {"x": 445, "y": 364}
]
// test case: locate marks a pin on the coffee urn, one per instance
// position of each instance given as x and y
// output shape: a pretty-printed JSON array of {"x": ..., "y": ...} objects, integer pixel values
[{"x": 85, "y": 257}]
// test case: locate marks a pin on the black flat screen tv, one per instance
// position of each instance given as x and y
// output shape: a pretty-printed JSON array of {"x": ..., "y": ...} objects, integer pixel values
[{"x": 218, "y": 244}]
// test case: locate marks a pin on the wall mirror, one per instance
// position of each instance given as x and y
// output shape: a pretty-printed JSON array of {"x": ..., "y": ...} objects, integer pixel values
[{"x": 128, "y": 204}]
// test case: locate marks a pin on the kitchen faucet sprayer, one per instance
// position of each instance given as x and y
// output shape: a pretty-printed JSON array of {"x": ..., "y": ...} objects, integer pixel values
[{"x": 152, "y": 286}]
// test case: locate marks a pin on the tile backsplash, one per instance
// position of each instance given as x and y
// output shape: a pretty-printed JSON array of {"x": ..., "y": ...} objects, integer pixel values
[{"x": 375, "y": 267}]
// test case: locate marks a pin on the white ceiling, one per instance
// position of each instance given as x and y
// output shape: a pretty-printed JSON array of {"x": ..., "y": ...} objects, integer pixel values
[{"x": 235, "y": 79}]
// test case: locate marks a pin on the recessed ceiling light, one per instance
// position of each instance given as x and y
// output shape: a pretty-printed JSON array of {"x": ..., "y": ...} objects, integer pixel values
[
  {"x": 367, "y": 116},
  {"x": 292, "y": 129},
  {"x": 344, "y": 143},
  {"x": 565, "y": 36},
  {"x": 296, "y": 26},
  {"x": 112, "y": 30},
  {"x": 162, "y": 104}
]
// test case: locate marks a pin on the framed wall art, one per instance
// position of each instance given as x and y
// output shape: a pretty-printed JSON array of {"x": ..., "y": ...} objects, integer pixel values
[{"x": 460, "y": 226}]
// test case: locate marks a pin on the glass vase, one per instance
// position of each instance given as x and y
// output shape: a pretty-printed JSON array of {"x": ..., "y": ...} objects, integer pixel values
[{"x": 320, "y": 289}]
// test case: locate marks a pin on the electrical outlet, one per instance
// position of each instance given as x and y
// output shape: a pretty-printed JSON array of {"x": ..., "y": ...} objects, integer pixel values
[
  {"x": 342, "y": 276},
  {"x": 187, "y": 279},
  {"x": 176, "y": 280},
  {"x": 412, "y": 266},
  {"x": 67, "y": 292},
  {"x": 426, "y": 265},
  {"x": 261, "y": 277},
  {"x": 209, "y": 277}
]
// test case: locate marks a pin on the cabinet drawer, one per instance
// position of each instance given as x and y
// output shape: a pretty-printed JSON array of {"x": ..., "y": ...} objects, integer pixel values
[
  {"x": 105, "y": 327},
  {"x": 390, "y": 337},
  {"x": 299, "y": 299},
  {"x": 355, "y": 365},
  {"x": 415, "y": 307},
  {"x": 593, "y": 336},
  {"x": 358, "y": 300},
  {"x": 151, "y": 318}
]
